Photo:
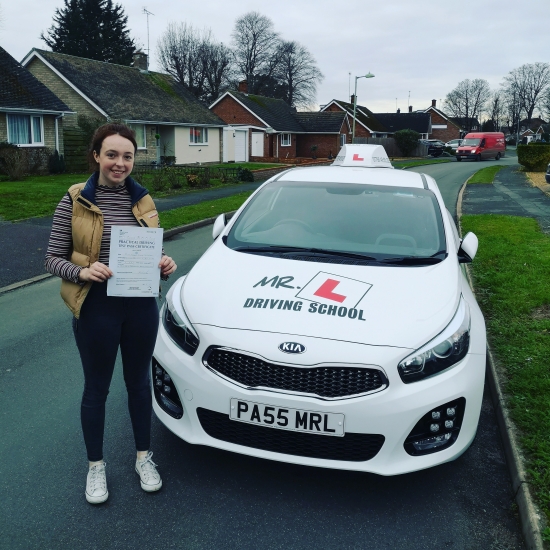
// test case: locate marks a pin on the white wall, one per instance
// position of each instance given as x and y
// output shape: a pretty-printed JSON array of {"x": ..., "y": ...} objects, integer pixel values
[
  {"x": 192, "y": 154},
  {"x": 167, "y": 141}
]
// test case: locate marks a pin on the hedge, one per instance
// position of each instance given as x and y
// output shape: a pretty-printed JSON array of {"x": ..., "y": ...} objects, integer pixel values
[{"x": 535, "y": 159}]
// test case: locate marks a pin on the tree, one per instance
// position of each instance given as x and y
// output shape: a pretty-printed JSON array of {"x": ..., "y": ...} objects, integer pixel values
[
  {"x": 256, "y": 49},
  {"x": 95, "y": 29},
  {"x": 467, "y": 101},
  {"x": 495, "y": 112},
  {"x": 298, "y": 74},
  {"x": 529, "y": 83}
]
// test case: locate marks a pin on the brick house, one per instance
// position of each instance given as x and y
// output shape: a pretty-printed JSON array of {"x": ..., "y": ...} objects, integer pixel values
[
  {"x": 30, "y": 114},
  {"x": 262, "y": 128},
  {"x": 444, "y": 127},
  {"x": 153, "y": 104}
]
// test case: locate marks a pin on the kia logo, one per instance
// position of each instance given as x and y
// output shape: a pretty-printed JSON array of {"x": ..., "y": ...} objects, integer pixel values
[{"x": 292, "y": 347}]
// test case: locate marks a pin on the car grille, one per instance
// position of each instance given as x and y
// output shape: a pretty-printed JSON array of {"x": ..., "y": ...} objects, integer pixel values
[
  {"x": 352, "y": 447},
  {"x": 328, "y": 382}
]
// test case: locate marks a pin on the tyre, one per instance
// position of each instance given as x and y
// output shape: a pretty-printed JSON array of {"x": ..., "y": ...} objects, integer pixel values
[
  {"x": 458, "y": 159},
  {"x": 478, "y": 158},
  {"x": 497, "y": 157}
]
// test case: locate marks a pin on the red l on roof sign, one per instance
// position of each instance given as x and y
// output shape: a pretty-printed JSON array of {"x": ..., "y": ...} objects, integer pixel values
[{"x": 357, "y": 157}]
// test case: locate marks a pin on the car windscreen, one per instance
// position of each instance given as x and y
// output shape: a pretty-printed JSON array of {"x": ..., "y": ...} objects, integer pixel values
[
  {"x": 380, "y": 223},
  {"x": 471, "y": 142}
]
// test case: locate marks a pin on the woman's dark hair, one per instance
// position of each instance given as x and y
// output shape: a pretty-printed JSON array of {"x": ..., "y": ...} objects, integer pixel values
[{"x": 109, "y": 129}]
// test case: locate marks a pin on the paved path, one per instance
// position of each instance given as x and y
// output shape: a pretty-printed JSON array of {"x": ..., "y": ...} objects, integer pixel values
[
  {"x": 511, "y": 194},
  {"x": 23, "y": 245}
]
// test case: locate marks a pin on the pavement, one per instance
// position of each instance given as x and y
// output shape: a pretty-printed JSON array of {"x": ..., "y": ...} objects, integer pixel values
[{"x": 23, "y": 244}]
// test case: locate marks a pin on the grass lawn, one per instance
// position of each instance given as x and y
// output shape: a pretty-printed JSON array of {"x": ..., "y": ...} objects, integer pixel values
[
  {"x": 510, "y": 278},
  {"x": 206, "y": 209},
  {"x": 249, "y": 165},
  {"x": 485, "y": 175},
  {"x": 418, "y": 162}
]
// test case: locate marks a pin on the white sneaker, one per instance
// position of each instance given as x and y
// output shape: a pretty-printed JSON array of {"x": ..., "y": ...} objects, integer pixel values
[
  {"x": 96, "y": 484},
  {"x": 148, "y": 475}
]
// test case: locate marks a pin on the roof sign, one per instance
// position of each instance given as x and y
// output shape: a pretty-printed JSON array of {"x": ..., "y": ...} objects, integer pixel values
[{"x": 370, "y": 156}]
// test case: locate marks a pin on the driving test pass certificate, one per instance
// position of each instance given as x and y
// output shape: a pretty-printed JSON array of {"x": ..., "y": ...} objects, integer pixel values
[{"x": 134, "y": 259}]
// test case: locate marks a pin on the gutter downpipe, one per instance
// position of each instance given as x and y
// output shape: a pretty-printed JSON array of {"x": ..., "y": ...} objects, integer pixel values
[{"x": 57, "y": 132}]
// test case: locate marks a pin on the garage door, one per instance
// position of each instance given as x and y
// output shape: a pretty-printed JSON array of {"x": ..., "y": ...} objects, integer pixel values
[
  {"x": 258, "y": 144},
  {"x": 240, "y": 146}
]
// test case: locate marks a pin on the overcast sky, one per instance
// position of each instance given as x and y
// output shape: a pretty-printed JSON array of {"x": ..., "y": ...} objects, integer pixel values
[{"x": 417, "y": 46}]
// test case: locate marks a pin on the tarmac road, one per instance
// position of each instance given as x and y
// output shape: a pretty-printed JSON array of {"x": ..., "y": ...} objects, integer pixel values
[{"x": 211, "y": 499}]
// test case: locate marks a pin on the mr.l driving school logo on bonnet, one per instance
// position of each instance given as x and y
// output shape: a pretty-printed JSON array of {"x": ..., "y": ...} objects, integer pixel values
[
  {"x": 292, "y": 347},
  {"x": 326, "y": 288}
]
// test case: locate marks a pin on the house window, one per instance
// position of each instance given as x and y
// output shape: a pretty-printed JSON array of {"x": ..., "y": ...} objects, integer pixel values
[
  {"x": 141, "y": 134},
  {"x": 343, "y": 139},
  {"x": 25, "y": 130},
  {"x": 285, "y": 140},
  {"x": 198, "y": 136}
]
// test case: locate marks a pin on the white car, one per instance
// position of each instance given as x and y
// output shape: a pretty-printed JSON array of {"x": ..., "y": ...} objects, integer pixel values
[
  {"x": 454, "y": 144},
  {"x": 329, "y": 324}
]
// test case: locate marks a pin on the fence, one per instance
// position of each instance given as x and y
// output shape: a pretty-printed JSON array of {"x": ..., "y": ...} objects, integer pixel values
[
  {"x": 75, "y": 150},
  {"x": 391, "y": 147}
]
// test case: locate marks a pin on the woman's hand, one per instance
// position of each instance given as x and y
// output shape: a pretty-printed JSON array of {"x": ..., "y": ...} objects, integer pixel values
[
  {"x": 167, "y": 265},
  {"x": 97, "y": 273}
]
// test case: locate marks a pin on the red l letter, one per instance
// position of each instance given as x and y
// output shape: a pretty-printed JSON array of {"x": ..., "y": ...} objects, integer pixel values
[
  {"x": 357, "y": 157},
  {"x": 325, "y": 291}
]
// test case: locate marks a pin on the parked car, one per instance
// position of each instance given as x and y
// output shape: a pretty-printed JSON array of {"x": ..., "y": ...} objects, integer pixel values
[
  {"x": 329, "y": 324},
  {"x": 453, "y": 144},
  {"x": 547, "y": 175},
  {"x": 435, "y": 147},
  {"x": 482, "y": 145}
]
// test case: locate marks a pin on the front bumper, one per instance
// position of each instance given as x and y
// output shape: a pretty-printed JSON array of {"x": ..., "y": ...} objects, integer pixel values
[{"x": 381, "y": 420}]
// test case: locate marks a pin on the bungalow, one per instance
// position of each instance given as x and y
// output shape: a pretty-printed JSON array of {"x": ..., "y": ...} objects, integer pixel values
[
  {"x": 30, "y": 114},
  {"x": 262, "y": 128},
  {"x": 168, "y": 120},
  {"x": 444, "y": 127}
]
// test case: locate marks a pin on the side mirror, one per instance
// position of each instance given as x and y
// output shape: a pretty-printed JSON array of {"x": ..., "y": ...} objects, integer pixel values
[
  {"x": 219, "y": 226},
  {"x": 468, "y": 248}
]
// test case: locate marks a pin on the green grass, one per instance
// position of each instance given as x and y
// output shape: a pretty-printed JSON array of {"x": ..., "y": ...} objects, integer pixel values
[
  {"x": 201, "y": 211},
  {"x": 249, "y": 165},
  {"x": 510, "y": 274},
  {"x": 485, "y": 175},
  {"x": 407, "y": 163}
]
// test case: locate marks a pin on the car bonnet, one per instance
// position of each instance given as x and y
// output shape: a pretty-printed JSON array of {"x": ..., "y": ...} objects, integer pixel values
[{"x": 375, "y": 305}]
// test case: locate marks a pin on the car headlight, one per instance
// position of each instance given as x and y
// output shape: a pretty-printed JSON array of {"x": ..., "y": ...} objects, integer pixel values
[
  {"x": 441, "y": 353},
  {"x": 178, "y": 326}
]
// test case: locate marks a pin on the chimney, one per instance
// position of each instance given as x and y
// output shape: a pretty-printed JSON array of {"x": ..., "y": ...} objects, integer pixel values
[
  {"x": 433, "y": 103},
  {"x": 352, "y": 100},
  {"x": 398, "y": 111},
  {"x": 243, "y": 86},
  {"x": 410, "y": 108},
  {"x": 140, "y": 61}
]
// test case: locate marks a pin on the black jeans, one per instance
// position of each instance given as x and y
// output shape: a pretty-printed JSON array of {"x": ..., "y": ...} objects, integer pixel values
[{"x": 105, "y": 323}]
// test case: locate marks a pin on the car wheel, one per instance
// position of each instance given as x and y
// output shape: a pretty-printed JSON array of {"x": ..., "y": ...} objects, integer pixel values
[
  {"x": 458, "y": 159},
  {"x": 497, "y": 157},
  {"x": 478, "y": 158}
]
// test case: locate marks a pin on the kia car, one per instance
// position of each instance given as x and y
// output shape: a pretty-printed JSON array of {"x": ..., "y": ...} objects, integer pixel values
[{"x": 329, "y": 324}]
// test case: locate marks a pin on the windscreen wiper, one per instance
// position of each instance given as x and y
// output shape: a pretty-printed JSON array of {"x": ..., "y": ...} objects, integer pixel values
[
  {"x": 413, "y": 260},
  {"x": 297, "y": 250}
]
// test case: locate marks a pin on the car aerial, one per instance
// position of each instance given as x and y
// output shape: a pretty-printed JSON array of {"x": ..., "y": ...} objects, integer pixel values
[
  {"x": 453, "y": 144},
  {"x": 435, "y": 147},
  {"x": 329, "y": 324}
]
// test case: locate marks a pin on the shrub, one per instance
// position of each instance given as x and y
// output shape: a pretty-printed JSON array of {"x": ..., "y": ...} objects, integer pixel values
[
  {"x": 534, "y": 159},
  {"x": 407, "y": 141},
  {"x": 174, "y": 178},
  {"x": 244, "y": 174},
  {"x": 158, "y": 179},
  {"x": 56, "y": 163},
  {"x": 193, "y": 180}
]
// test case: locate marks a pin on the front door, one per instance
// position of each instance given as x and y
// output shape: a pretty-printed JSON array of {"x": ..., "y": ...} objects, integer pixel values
[
  {"x": 257, "y": 144},
  {"x": 240, "y": 145}
]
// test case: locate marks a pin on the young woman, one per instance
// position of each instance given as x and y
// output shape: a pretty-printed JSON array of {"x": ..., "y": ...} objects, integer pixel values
[{"x": 78, "y": 252}]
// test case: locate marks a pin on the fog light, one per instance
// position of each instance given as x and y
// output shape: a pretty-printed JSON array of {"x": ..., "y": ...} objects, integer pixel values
[
  {"x": 429, "y": 436},
  {"x": 165, "y": 391}
]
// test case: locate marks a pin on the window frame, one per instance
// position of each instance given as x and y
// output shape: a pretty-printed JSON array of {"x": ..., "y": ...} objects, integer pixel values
[
  {"x": 192, "y": 134},
  {"x": 134, "y": 127},
  {"x": 289, "y": 135},
  {"x": 343, "y": 139},
  {"x": 30, "y": 117}
]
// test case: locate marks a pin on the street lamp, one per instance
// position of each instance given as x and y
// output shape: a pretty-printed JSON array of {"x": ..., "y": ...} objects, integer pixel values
[{"x": 368, "y": 75}]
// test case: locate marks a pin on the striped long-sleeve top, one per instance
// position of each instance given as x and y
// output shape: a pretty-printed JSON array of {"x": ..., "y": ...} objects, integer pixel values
[{"x": 116, "y": 206}]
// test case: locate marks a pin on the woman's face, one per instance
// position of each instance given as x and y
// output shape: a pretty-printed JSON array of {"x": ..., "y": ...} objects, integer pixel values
[{"x": 116, "y": 160}]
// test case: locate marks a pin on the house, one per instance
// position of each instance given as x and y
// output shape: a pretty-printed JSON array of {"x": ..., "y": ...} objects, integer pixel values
[
  {"x": 168, "y": 120},
  {"x": 393, "y": 122},
  {"x": 264, "y": 128},
  {"x": 31, "y": 115},
  {"x": 543, "y": 132},
  {"x": 444, "y": 127}
]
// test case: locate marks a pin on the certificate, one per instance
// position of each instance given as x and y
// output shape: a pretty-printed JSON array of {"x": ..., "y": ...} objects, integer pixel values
[{"x": 134, "y": 258}]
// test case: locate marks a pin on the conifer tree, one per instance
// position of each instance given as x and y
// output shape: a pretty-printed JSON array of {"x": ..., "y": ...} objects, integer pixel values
[{"x": 95, "y": 29}]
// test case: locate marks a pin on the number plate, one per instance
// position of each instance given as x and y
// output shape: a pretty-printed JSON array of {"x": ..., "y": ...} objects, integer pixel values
[{"x": 296, "y": 420}]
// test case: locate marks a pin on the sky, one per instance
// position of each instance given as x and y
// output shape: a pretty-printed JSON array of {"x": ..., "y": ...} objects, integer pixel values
[{"x": 418, "y": 50}]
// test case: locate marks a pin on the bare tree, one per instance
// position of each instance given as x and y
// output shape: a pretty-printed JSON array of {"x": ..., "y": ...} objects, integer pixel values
[
  {"x": 496, "y": 109},
  {"x": 513, "y": 108},
  {"x": 255, "y": 48},
  {"x": 467, "y": 101},
  {"x": 529, "y": 82},
  {"x": 298, "y": 74},
  {"x": 194, "y": 59}
]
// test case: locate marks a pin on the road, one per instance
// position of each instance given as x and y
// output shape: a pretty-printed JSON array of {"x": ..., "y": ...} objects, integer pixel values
[{"x": 211, "y": 499}]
